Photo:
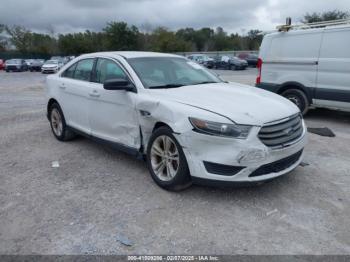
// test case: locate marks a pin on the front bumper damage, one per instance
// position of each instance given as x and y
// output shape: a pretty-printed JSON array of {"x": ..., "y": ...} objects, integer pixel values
[{"x": 238, "y": 160}]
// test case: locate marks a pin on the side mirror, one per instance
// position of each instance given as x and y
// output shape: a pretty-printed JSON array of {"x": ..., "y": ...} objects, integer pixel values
[{"x": 118, "y": 84}]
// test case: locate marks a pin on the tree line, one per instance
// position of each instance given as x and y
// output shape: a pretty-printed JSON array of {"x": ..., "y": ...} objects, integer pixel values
[{"x": 121, "y": 36}]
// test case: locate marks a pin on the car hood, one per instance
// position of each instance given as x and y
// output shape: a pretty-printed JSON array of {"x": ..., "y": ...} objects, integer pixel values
[
  {"x": 50, "y": 65},
  {"x": 241, "y": 103}
]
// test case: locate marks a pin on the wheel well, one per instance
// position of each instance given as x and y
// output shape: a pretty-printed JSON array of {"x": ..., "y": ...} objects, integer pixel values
[
  {"x": 298, "y": 87},
  {"x": 160, "y": 124},
  {"x": 49, "y": 104}
]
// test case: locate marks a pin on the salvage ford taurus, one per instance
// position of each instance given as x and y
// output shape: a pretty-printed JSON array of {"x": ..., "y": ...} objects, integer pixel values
[{"x": 188, "y": 124}]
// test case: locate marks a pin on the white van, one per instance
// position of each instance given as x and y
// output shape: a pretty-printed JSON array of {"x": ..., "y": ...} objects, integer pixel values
[{"x": 309, "y": 66}]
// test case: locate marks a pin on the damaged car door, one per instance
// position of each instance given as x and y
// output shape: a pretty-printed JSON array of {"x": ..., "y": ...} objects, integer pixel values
[{"x": 112, "y": 112}]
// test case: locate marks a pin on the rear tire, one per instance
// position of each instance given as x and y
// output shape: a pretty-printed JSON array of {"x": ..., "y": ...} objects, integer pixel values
[
  {"x": 299, "y": 98},
  {"x": 58, "y": 124},
  {"x": 166, "y": 161}
]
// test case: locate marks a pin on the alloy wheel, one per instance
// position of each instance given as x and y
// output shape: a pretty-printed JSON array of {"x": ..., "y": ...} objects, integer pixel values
[
  {"x": 56, "y": 122},
  {"x": 165, "y": 158}
]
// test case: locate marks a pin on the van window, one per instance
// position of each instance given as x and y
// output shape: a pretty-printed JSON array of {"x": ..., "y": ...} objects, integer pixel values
[
  {"x": 335, "y": 44},
  {"x": 84, "y": 69},
  {"x": 107, "y": 69},
  {"x": 289, "y": 45}
]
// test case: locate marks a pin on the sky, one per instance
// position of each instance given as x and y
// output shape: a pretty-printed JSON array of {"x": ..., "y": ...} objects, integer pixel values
[{"x": 235, "y": 16}]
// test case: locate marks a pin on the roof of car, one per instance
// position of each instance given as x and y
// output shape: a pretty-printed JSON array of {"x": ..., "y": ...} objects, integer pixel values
[{"x": 132, "y": 54}]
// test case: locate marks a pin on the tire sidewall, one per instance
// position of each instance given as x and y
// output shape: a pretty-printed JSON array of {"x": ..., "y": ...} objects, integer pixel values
[
  {"x": 62, "y": 136},
  {"x": 304, "y": 103},
  {"x": 182, "y": 178}
]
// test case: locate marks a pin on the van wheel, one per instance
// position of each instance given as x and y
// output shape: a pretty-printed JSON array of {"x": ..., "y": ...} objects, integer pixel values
[
  {"x": 58, "y": 124},
  {"x": 299, "y": 98},
  {"x": 166, "y": 161}
]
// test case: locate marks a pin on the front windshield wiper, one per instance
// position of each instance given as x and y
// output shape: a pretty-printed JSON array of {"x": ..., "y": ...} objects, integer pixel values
[
  {"x": 205, "y": 82},
  {"x": 166, "y": 86}
]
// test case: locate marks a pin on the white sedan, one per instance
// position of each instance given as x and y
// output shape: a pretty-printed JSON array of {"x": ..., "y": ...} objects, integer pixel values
[
  {"x": 51, "y": 66},
  {"x": 189, "y": 125}
]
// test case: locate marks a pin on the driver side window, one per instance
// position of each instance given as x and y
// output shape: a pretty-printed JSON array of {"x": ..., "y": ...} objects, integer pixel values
[{"x": 107, "y": 69}]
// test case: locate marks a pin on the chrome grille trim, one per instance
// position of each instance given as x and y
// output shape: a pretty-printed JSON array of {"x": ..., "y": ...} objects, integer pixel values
[{"x": 282, "y": 133}]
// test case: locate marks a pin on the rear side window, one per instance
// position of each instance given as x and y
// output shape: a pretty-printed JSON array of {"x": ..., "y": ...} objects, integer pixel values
[
  {"x": 107, "y": 69},
  {"x": 69, "y": 73},
  {"x": 83, "y": 69}
]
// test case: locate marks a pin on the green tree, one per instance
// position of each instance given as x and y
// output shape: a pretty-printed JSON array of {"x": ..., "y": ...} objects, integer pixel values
[
  {"x": 254, "y": 38},
  {"x": 20, "y": 38},
  {"x": 221, "y": 41},
  {"x": 325, "y": 16},
  {"x": 42, "y": 44},
  {"x": 80, "y": 43},
  {"x": 167, "y": 41},
  {"x": 3, "y": 40},
  {"x": 120, "y": 36},
  {"x": 204, "y": 39}
]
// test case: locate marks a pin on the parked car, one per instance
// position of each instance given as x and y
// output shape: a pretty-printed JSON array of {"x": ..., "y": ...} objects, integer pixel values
[
  {"x": 252, "y": 59},
  {"x": 310, "y": 67},
  {"x": 187, "y": 123},
  {"x": 36, "y": 65},
  {"x": 66, "y": 59},
  {"x": 16, "y": 65},
  {"x": 51, "y": 66},
  {"x": 202, "y": 59},
  {"x": 2, "y": 64},
  {"x": 230, "y": 63},
  {"x": 29, "y": 61},
  {"x": 60, "y": 59}
]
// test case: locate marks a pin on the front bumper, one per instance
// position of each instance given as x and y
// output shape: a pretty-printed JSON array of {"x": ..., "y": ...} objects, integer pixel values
[
  {"x": 248, "y": 156},
  {"x": 13, "y": 68},
  {"x": 49, "y": 70}
]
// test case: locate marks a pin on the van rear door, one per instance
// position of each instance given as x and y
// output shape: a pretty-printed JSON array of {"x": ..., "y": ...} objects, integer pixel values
[{"x": 333, "y": 77}]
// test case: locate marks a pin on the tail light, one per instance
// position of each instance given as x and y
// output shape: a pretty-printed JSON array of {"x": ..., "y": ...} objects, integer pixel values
[{"x": 259, "y": 66}]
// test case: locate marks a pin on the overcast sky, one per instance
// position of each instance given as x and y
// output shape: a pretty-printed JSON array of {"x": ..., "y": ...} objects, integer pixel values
[{"x": 63, "y": 16}]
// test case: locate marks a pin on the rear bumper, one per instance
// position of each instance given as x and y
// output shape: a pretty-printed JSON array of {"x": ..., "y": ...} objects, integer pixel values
[
  {"x": 269, "y": 87},
  {"x": 35, "y": 68}
]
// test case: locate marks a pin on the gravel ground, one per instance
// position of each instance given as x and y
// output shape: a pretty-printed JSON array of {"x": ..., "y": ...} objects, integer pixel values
[{"x": 98, "y": 198}]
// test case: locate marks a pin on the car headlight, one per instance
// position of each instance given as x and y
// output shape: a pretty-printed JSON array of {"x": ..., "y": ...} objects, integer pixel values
[{"x": 220, "y": 129}]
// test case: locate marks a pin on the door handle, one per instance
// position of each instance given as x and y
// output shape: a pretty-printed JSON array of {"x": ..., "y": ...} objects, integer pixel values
[{"x": 62, "y": 86}]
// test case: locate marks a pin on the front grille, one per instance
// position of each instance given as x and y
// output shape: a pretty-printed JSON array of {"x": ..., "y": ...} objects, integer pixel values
[
  {"x": 283, "y": 133},
  {"x": 277, "y": 166},
  {"x": 223, "y": 170}
]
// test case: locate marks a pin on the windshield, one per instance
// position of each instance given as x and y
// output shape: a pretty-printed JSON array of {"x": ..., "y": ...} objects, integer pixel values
[
  {"x": 51, "y": 62},
  {"x": 169, "y": 72},
  {"x": 13, "y": 61}
]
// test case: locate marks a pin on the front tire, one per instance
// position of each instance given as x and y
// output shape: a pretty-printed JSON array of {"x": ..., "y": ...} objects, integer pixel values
[
  {"x": 58, "y": 124},
  {"x": 166, "y": 161},
  {"x": 299, "y": 98}
]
